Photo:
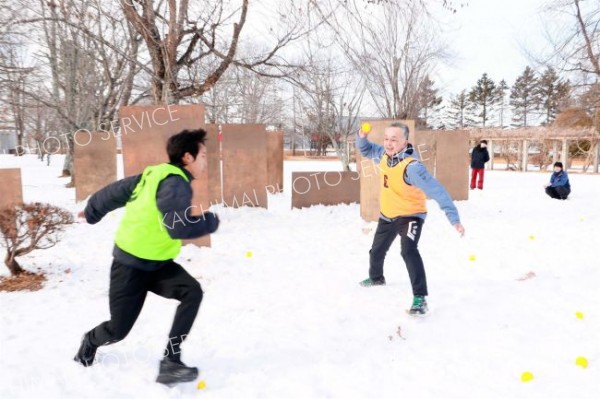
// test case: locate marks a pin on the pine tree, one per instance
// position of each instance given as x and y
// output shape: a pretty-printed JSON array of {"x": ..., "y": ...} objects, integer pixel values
[
  {"x": 483, "y": 96},
  {"x": 552, "y": 91},
  {"x": 501, "y": 91},
  {"x": 458, "y": 113},
  {"x": 523, "y": 96},
  {"x": 428, "y": 99}
]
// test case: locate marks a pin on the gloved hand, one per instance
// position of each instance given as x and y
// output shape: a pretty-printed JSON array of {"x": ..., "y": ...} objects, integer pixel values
[{"x": 212, "y": 221}]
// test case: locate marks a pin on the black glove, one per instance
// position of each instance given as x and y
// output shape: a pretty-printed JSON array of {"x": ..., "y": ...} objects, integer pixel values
[{"x": 212, "y": 221}]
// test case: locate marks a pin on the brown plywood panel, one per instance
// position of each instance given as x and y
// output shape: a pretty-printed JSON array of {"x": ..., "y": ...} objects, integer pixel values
[
  {"x": 369, "y": 171},
  {"x": 452, "y": 162},
  {"x": 327, "y": 188},
  {"x": 214, "y": 167},
  {"x": 245, "y": 165},
  {"x": 95, "y": 164},
  {"x": 11, "y": 189},
  {"x": 144, "y": 134},
  {"x": 146, "y": 129},
  {"x": 275, "y": 162}
]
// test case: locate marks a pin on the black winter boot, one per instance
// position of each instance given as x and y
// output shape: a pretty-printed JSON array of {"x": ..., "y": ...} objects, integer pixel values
[
  {"x": 173, "y": 371},
  {"x": 87, "y": 351}
]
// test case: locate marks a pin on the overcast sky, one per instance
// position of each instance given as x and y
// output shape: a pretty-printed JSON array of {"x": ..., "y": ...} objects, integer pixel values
[{"x": 489, "y": 36}]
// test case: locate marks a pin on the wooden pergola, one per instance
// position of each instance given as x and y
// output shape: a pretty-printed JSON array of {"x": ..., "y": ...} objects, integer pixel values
[{"x": 560, "y": 138}]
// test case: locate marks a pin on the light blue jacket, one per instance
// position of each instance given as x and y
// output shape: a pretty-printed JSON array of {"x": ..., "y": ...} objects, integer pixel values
[{"x": 416, "y": 175}]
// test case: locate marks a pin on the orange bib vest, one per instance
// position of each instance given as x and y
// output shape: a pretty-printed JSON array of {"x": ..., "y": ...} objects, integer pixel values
[{"x": 397, "y": 197}]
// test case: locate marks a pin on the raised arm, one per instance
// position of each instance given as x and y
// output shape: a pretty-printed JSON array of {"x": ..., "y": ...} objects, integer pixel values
[{"x": 369, "y": 149}]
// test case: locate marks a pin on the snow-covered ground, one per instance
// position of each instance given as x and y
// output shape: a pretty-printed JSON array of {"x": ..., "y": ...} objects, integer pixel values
[{"x": 291, "y": 321}]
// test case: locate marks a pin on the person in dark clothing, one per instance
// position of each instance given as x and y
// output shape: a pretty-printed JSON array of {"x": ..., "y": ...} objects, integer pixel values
[
  {"x": 158, "y": 215},
  {"x": 559, "y": 186},
  {"x": 479, "y": 156}
]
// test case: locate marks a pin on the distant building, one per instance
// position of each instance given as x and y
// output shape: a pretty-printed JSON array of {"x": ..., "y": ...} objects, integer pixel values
[{"x": 8, "y": 139}]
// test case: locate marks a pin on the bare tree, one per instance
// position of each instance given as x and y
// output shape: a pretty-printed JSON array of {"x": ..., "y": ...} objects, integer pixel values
[
  {"x": 394, "y": 55},
  {"x": 178, "y": 35}
]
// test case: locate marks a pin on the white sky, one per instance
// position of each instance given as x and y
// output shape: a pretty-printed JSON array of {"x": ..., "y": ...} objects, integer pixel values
[{"x": 489, "y": 36}]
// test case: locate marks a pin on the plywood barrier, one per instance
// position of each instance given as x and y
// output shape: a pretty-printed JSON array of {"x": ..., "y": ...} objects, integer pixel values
[
  {"x": 245, "y": 177},
  {"x": 452, "y": 162},
  {"x": 11, "y": 189},
  {"x": 95, "y": 163},
  {"x": 326, "y": 188},
  {"x": 275, "y": 162}
]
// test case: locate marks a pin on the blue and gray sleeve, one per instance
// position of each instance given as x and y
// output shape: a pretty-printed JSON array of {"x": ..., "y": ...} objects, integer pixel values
[
  {"x": 369, "y": 149},
  {"x": 418, "y": 176}
]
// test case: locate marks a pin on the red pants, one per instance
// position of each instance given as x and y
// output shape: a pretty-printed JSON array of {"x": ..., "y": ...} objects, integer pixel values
[{"x": 474, "y": 174}]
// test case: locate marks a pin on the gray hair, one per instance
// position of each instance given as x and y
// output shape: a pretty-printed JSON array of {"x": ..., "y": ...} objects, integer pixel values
[{"x": 402, "y": 127}]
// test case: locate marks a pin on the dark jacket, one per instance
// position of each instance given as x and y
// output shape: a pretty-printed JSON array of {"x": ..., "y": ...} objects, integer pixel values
[
  {"x": 559, "y": 179},
  {"x": 479, "y": 157},
  {"x": 173, "y": 198}
]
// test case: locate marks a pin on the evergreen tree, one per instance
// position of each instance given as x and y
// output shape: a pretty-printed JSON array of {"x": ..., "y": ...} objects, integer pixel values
[
  {"x": 501, "y": 92},
  {"x": 428, "y": 100},
  {"x": 459, "y": 111},
  {"x": 523, "y": 97},
  {"x": 552, "y": 92},
  {"x": 483, "y": 96}
]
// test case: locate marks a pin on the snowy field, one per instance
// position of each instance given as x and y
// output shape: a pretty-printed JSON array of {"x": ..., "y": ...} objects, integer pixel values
[{"x": 291, "y": 321}]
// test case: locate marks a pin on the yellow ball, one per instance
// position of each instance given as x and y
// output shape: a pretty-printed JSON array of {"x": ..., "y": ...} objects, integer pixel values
[
  {"x": 472, "y": 258},
  {"x": 526, "y": 376},
  {"x": 365, "y": 127},
  {"x": 581, "y": 362},
  {"x": 579, "y": 315},
  {"x": 532, "y": 238},
  {"x": 201, "y": 384},
  {"x": 249, "y": 254}
]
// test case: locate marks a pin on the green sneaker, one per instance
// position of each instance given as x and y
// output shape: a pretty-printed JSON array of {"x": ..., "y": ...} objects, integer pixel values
[
  {"x": 371, "y": 283},
  {"x": 419, "y": 305}
]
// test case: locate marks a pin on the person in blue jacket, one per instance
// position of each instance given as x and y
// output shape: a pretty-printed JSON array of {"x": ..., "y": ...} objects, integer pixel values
[
  {"x": 405, "y": 185},
  {"x": 158, "y": 215},
  {"x": 559, "y": 186}
]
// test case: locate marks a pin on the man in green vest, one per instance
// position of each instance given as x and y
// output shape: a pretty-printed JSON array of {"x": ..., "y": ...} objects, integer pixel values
[{"x": 158, "y": 215}]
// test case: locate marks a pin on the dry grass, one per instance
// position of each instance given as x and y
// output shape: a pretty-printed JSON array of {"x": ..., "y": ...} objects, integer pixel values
[{"x": 25, "y": 281}]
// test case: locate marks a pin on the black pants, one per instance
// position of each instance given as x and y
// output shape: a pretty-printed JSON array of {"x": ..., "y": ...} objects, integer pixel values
[
  {"x": 128, "y": 289},
  {"x": 559, "y": 192},
  {"x": 409, "y": 229}
]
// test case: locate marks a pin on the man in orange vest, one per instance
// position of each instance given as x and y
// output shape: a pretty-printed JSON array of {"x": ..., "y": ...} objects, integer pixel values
[{"x": 405, "y": 185}]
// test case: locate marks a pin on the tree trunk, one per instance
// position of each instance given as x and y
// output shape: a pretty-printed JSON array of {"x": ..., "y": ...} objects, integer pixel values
[{"x": 13, "y": 265}]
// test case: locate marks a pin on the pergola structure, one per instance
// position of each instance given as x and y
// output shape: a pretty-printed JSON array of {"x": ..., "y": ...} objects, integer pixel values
[{"x": 559, "y": 137}]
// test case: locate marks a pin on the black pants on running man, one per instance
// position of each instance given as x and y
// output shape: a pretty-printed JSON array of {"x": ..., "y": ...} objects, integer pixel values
[
  {"x": 127, "y": 292},
  {"x": 409, "y": 230}
]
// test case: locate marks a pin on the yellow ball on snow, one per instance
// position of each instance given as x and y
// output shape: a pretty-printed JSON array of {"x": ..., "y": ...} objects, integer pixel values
[
  {"x": 579, "y": 315},
  {"x": 581, "y": 362},
  {"x": 201, "y": 384},
  {"x": 249, "y": 254},
  {"x": 472, "y": 258},
  {"x": 526, "y": 376}
]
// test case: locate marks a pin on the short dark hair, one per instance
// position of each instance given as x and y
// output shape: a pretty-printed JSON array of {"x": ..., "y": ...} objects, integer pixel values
[
  {"x": 559, "y": 164},
  {"x": 185, "y": 141},
  {"x": 483, "y": 142},
  {"x": 401, "y": 126}
]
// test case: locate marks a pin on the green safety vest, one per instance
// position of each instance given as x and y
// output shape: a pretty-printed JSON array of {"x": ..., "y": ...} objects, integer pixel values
[{"x": 142, "y": 231}]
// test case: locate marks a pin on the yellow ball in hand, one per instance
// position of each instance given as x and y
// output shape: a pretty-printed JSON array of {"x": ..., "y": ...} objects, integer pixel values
[
  {"x": 201, "y": 384},
  {"x": 526, "y": 376},
  {"x": 581, "y": 362},
  {"x": 365, "y": 127}
]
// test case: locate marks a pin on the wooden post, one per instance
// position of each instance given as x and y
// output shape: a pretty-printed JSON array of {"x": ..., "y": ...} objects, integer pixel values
[
  {"x": 564, "y": 153},
  {"x": 524, "y": 156}
]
